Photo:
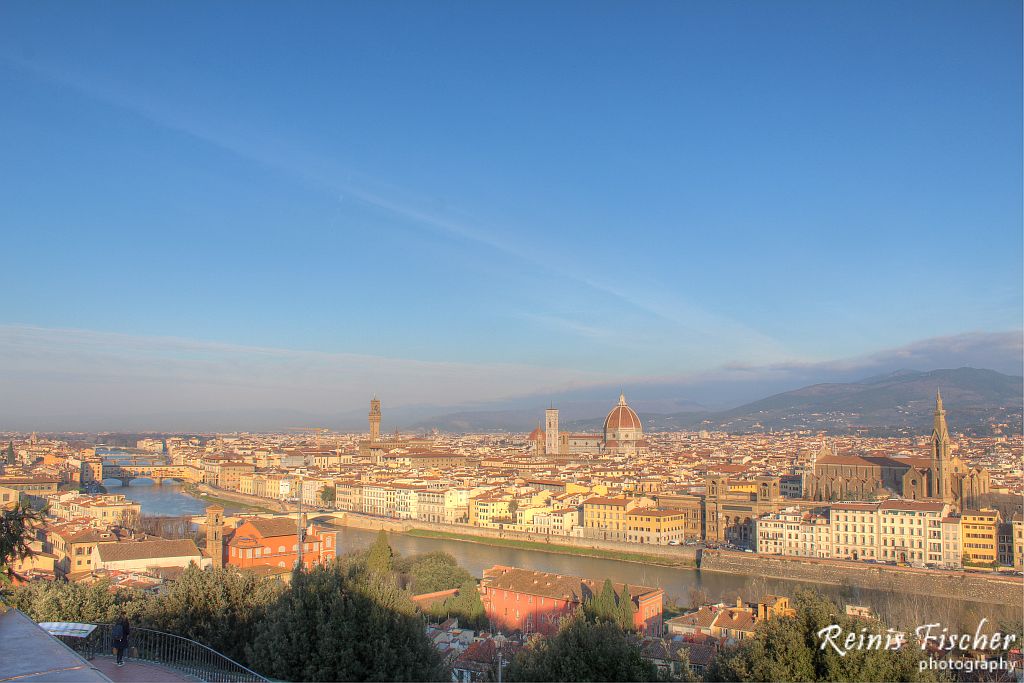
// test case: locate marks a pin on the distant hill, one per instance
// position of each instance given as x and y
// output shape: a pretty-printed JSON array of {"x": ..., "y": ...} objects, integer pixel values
[{"x": 900, "y": 403}]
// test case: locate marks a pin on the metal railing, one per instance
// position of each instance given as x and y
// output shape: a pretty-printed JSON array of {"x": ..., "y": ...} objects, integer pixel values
[{"x": 166, "y": 649}]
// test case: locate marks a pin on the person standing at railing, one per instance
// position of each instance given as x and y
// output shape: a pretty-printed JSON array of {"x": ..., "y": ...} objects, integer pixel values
[{"x": 119, "y": 637}]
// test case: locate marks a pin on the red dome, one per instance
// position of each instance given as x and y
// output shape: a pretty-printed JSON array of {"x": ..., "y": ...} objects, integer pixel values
[
  {"x": 622, "y": 417},
  {"x": 536, "y": 435}
]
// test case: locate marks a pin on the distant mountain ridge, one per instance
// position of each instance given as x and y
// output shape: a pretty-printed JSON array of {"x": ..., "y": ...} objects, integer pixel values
[{"x": 977, "y": 401}]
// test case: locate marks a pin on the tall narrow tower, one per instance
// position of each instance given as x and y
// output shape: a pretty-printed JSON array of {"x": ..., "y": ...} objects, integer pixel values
[
  {"x": 374, "y": 420},
  {"x": 940, "y": 453},
  {"x": 214, "y": 534},
  {"x": 551, "y": 431}
]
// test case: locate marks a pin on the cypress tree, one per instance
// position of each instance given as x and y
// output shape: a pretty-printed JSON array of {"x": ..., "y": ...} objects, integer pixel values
[
  {"x": 380, "y": 556},
  {"x": 626, "y": 610}
]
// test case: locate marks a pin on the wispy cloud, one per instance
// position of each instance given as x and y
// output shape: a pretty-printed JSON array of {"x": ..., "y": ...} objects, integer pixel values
[
  {"x": 679, "y": 319},
  {"x": 63, "y": 371}
]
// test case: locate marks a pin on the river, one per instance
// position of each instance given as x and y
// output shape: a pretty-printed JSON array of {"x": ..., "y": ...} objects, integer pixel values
[
  {"x": 170, "y": 499},
  {"x": 905, "y": 610}
]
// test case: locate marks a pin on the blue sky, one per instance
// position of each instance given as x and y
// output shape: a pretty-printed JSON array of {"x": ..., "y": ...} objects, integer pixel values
[{"x": 590, "y": 191}]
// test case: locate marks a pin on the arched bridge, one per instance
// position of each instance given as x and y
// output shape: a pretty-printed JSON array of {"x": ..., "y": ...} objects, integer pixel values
[{"x": 158, "y": 473}]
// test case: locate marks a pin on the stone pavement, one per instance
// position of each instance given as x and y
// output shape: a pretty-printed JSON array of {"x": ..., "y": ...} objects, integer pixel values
[{"x": 137, "y": 672}]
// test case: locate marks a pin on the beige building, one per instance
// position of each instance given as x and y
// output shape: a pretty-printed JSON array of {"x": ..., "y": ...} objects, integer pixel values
[
  {"x": 910, "y": 532},
  {"x": 854, "y": 531},
  {"x": 147, "y": 555}
]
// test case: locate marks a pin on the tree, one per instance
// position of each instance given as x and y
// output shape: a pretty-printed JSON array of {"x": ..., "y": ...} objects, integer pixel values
[
  {"x": 327, "y": 496},
  {"x": 380, "y": 556},
  {"x": 17, "y": 528},
  {"x": 434, "y": 572},
  {"x": 602, "y": 607},
  {"x": 12, "y": 457},
  {"x": 583, "y": 651},
  {"x": 92, "y": 603},
  {"x": 341, "y": 623},
  {"x": 466, "y": 606},
  {"x": 217, "y": 607},
  {"x": 625, "y": 609},
  {"x": 789, "y": 649}
]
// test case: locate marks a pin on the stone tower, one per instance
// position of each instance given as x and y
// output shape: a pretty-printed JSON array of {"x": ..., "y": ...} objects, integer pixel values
[
  {"x": 551, "y": 431},
  {"x": 940, "y": 465},
  {"x": 374, "y": 420},
  {"x": 215, "y": 534}
]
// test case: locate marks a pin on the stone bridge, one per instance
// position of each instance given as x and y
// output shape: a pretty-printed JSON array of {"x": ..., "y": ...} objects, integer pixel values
[{"x": 158, "y": 473}]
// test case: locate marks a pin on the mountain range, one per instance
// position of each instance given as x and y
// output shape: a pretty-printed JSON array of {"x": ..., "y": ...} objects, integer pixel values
[{"x": 977, "y": 401}]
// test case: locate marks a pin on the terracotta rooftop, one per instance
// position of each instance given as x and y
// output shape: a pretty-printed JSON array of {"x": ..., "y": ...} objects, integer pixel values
[{"x": 558, "y": 586}]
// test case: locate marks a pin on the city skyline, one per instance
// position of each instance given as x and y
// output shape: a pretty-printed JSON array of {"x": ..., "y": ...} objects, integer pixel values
[{"x": 628, "y": 205}]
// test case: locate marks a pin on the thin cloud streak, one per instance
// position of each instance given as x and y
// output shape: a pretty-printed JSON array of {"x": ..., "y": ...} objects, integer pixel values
[
  {"x": 326, "y": 174},
  {"x": 54, "y": 371}
]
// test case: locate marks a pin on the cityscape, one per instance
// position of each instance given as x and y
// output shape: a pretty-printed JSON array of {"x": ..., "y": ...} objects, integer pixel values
[{"x": 475, "y": 342}]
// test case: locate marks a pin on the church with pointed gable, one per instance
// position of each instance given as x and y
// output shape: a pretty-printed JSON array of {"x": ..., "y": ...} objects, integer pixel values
[{"x": 829, "y": 476}]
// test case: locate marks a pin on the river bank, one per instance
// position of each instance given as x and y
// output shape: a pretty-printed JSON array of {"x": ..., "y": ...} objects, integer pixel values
[
  {"x": 233, "y": 501},
  {"x": 547, "y": 547},
  {"x": 665, "y": 556},
  {"x": 992, "y": 589}
]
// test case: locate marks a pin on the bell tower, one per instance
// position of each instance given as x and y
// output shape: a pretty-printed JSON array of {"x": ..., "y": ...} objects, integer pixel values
[
  {"x": 940, "y": 466},
  {"x": 551, "y": 446},
  {"x": 215, "y": 534},
  {"x": 374, "y": 420}
]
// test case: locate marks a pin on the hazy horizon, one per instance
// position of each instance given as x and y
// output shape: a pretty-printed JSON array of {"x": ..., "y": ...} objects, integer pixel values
[{"x": 292, "y": 208}]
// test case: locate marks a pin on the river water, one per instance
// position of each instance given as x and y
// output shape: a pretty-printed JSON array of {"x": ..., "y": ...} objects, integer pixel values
[{"x": 170, "y": 499}]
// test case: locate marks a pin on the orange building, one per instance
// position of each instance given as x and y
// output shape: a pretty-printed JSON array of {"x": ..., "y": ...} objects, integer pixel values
[
  {"x": 524, "y": 600},
  {"x": 275, "y": 543}
]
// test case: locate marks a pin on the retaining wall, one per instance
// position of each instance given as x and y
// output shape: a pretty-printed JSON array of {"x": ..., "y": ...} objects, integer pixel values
[
  {"x": 684, "y": 555},
  {"x": 970, "y": 586}
]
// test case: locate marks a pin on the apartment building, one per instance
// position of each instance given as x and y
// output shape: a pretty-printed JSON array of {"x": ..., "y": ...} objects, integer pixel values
[
  {"x": 656, "y": 527},
  {"x": 979, "y": 533},
  {"x": 854, "y": 531},
  {"x": 779, "y": 533},
  {"x": 910, "y": 532}
]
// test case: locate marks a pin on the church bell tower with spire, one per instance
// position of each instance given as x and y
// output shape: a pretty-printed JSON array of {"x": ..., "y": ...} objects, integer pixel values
[{"x": 940, "y": 465}]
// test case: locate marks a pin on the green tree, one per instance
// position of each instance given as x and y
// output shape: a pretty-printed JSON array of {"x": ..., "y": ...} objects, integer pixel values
[
  {"x": 789, "y": 649},
  {"x": 92, "y": 603},
  {"x": 11, "y": 456},
  {"x": 583, "y": 651},
  {"x": 625, "y": 609},
  {"x": 602, "y": 607},
  {"x": 217, "y": 607},
  {"x": 466, "y": 606},
  {"x": 341, "y": 623},
  {"x": 380, "y": 556},
  {"x": 434, "y": 572},
  {"x": 327, "y": 496},
  {"x": 17, "y": 531}
]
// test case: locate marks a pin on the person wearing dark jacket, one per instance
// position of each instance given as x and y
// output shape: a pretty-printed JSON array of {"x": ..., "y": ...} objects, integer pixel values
[{"x": 119, "y": 638}]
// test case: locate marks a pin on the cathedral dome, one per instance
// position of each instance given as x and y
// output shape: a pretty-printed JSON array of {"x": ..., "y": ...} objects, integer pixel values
[
  {"x": 622, "y": 418},
  {"x": 536, "y": 435}
]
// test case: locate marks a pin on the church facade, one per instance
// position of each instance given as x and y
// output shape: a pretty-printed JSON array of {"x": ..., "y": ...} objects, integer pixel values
[{"x": 942, "y": 477}]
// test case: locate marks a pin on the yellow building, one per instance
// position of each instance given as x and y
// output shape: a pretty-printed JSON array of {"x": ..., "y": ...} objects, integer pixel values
[
  {"x": 32, "y": 486},
  {"x": 490, "y": 510},
  {"x": 605, "y": 517},
  {"x": 8, "y": 497},
  {"x": 979, "y": 532},
  {"x": 657, "y": 527}
]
